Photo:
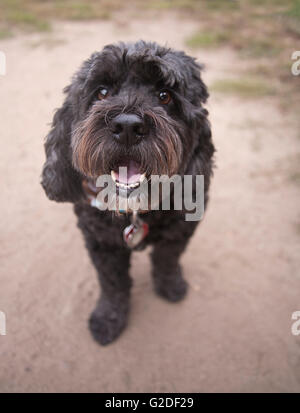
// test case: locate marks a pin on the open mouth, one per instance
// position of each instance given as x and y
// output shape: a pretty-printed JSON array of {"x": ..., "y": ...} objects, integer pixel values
[{"x": 128, "y": 175}]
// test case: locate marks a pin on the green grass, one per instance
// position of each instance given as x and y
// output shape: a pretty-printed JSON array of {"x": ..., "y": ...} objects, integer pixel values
[
  {"x": 81, "y": 10},
  {"x": 5, "y": 33},
  {"x": 261, "y": 48},
  {"x": 206, "y": 39},
  {"x": 36, "y": 15},
  {"x": 294, "y": 10},
  {"x": 15, "y": 15},
  {"x": 244, "y": 87},
  {"x": 25, "y": 19},
  {"x": 75, "y": 10},
  {"x": 188, "y": 5},
  {"x": 223, "y": 5},
  {"x": 292, "y": 18}
]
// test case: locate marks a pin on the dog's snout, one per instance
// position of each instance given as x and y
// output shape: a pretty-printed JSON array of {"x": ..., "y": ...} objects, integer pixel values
[{"x": 128, "y": 128}]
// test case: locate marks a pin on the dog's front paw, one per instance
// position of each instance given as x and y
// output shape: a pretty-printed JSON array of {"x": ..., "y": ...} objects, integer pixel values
[
  {"x": 108, "y": 320},
  {"x": 171, "y": 287}
]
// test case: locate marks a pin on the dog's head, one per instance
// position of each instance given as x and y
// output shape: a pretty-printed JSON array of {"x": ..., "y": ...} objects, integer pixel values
[{"x": 134, "y": 105}]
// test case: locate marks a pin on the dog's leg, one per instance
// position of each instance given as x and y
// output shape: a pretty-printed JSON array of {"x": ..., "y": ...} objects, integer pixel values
[
  {"x": 111, "y": 313},
  {"x": 167, "y": 274}
]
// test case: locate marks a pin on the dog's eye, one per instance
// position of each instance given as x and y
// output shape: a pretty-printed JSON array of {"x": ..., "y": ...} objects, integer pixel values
[
  {"x": 164, "y": 97},
  {"x": 102, "y": 93}
]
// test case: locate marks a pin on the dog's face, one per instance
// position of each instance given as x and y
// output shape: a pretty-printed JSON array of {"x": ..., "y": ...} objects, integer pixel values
[{"x": 137, "y": 106}]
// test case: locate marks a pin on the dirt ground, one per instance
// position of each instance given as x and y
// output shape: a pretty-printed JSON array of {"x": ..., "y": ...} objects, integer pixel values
[{"x": 233, "y": 331}]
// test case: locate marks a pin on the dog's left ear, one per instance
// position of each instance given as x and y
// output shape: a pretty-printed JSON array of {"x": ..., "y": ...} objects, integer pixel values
[
  {"x": 60, "y": 180},
  {"x": 204, "y": 148},
  {"x": 200, "y": 93}
]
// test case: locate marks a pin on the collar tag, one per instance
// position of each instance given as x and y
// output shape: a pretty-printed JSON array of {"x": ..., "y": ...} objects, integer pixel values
[{"x": 134, "y": 233}]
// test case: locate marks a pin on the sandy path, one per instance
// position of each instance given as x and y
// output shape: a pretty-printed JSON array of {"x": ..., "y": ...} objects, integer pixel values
[{"x": 233, "y": 332}]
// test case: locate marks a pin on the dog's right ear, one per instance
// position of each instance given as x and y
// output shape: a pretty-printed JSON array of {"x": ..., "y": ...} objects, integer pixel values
[{"x": 60, "y": 180}]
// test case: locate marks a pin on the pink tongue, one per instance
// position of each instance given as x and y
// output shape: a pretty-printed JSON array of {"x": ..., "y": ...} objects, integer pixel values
[{"x": 129, "y": 174}]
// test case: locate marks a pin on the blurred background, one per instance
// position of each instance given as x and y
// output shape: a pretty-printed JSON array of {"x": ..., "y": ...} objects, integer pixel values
[{"x": 233, "y": 331}]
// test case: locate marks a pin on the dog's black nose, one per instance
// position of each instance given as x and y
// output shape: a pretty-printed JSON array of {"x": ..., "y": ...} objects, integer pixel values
[{"x": 128, "y": 128}]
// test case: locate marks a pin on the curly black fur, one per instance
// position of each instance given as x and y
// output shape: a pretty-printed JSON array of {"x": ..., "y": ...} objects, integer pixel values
[{"x": 80, "y": 146}]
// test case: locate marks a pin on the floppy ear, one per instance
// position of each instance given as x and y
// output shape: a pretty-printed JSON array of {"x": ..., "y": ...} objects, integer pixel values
[
  {"x": 202, "y": 158},
  {"x": 60, "y": 180}
]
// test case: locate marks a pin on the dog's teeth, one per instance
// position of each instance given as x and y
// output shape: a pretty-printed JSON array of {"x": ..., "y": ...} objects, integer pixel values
[
  {"x": 142, "y": 177},
  {"x": 120, "y": 185},
  {"x": 126, "y": 186},
  {"x": 114, "y": 176}
]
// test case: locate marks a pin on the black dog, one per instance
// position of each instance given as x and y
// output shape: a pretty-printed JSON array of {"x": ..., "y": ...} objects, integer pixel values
[{"x": 136, "y": 105}]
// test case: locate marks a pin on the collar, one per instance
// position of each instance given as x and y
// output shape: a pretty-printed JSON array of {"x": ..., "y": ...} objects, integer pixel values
[
  {"x": 91, "y": 191},
  {"x": 134, "y": 233}
]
